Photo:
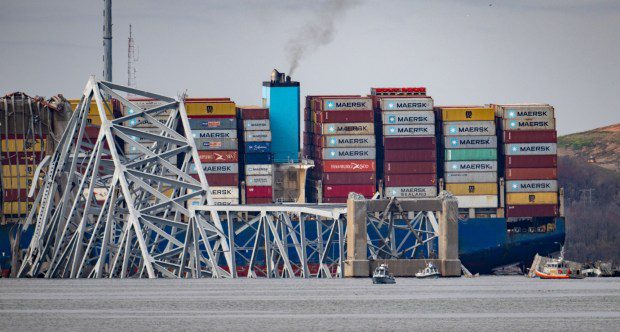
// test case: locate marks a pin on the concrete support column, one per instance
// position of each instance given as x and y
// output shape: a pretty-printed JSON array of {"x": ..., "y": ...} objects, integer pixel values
[
  {"x": 449, "y": 236},
  {"x": 356, "y": 264}
]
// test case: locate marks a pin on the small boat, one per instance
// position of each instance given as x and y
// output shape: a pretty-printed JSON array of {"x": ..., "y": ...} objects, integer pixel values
[
  {"x": 556, "y": 269},
  {"x": 430, "y": 271},
  {"x": 382, "y": 275}
]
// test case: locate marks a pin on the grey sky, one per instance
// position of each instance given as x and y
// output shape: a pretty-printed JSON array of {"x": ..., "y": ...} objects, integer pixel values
[{"x": 564, "y": 52}]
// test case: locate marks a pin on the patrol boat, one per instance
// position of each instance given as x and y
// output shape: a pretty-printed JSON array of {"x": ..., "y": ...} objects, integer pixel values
[
  {"x": 382, "y": 275},
  {"x": 430, "y": 271}
]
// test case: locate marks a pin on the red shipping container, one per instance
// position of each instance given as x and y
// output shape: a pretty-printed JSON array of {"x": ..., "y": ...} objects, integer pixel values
[
  {"x": 409, "y": 143},
  {"x": 231, "y": 156},
  {"x": 530, "y": 136},
  {"x": 21, "y": 158},
  {"x": 210, "y": 116},
  {"x": 14, "y": 195},
  {"x": 254, "y": 113},
  {"x": 412, "y": 167},
  {"x": 346, "y": 166},
  {"x": 347, "y": 178},
  {"x": 258, "y": 191},
  {"x": 531, "y": 174},
  {"x": 410, "y": 155},
  {"x": 259, "y": 200},
  {"x": 344, "y": 190},
  {"x": 531, "y": 161},
  {"x": 227, "y": 179},
  {"x": 344, "y": 116},
  {"x": 333, "y": 200},
  {"x": 542, "y": 210},
  {"x": 410, "y": 180}
]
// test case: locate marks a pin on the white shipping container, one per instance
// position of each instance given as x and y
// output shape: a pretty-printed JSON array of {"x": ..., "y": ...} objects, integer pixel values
[
  {"x": 532, "y": 111},
  {"x": 226, "y": 192},
  {"x": 217, "y": 134},
  {"x": 409, "y": 130},
  {"x": 140, "y": 122},
  {"x": 257, "y": 136},
  {"x": 470, "y": 177},
  {"x": 530, "y": 149},
  {"x": 342, "y": 141},
  {"x": 470, "y": 142},
  {"x": 354, "y": 128},
  {"x": 517, "y": 124},
  {"x": 408, "y": 117},
  {"x": 216, "y": 201},
  {"x": 471, "y": 166},
  {"x": 349, "y": 153},
  {"x": 258, "y": 169},
  {"x": 213, "y": 168},
  {"x": 427, "y": 191},
  {"x": 469, "y": 128},
  {"x": 259, "y": 180},
  {"x": 532, "y": 186},
  {"x": 262, "y": 124},
  {"x": 477, "y": 201},
  {"x": 407, "y": 104},
  {"x": 347, "y": 104}
]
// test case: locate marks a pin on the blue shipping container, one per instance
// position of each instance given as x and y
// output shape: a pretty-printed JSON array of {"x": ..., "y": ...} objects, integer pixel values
[
  {"x": 258, "y": 147},
  {"x": 258, "y": 158}
]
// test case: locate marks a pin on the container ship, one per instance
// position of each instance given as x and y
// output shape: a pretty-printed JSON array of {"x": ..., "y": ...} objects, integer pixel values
[{"x": 499, "y": 160}]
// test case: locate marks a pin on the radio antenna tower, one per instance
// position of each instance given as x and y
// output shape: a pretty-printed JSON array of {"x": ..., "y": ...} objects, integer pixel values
[{"x": 131, "y": 58}]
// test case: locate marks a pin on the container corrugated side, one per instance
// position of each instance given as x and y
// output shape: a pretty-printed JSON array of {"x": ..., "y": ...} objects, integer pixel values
[
  {"x": 531, "y": 174},
  {"x": 411, "y": 167},
  {"x": 542, "y": 210},
  {"x": 407, "y": 180},
  {"x": 346, "y": 104},
  {"x": 471, "y": 166},
  {"x": 348, "y": 178},
  {"x": 348, "y": 153},
  {"x": 525, "y": 111},
  {"x": 408, "y": 117},
  {"x": 346, "y": 166},
  {"x": 216, "y": 168},
  {"x": 258, "y": 191},
  {"x": 355, "y": 128},
  {"x": 253, "y": 113},
  {"x": 470, "y": 142},
  {"x": 257, "y": 136},
  {"x": 477, "y": 201},
  {"x": 342, "y": 141},
  {"x": 258, "y": 169},
  {"x": 529, "y": 125},
  {"x": 210, "y": 108},
  {"x": 425, "y": 191},
  {"x": 410, "y": 155},
  {"x": 531, "y": 161},
  {"x": 344, "y": 190},
  {"x": 343, "y": 116},
  {"x": 213, "y": 123},
  {"x": 472, "y": 188},
  {"x": 407, "y": 104},
  {"x": 215, "y": 134},
  {"x": 224, "y": 192},
  {"x": 470, "y": 154},
  {"x": 262, "y": 124},
  {"x": 532, "y": 186},
  {"x": 409, "y": 130},
  {"x": 469, "y": 128},
  {"x": 527, "y": 136},
  {"x": 409, "y": 143},
  {"x": 531, "y": 198},
  {"x": 530, "y": 149},
  {"x": 466, "y": 177},
  {"x": 216, "y": 144},
  {"x": 259, "y": 180},
  {"x": 468, "y": 114},
  {"x": 231, "y": 156}
]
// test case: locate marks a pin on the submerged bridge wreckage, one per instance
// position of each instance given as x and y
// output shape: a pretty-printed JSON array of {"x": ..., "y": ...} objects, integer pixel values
[{"x": 106, "y": 213}]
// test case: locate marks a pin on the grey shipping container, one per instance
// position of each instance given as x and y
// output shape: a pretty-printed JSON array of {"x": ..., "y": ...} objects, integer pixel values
[
  {"x": 356, "y": 128},
  {"x": 257, "y": 136},
  {"x": 470, "y": 142},
  {"x": 409, "y": 130},
  {"x": 538, "y": 124},
  {"x": 218, "y": 134},
  {"x": 343, "y": 141},
  {"x": 426, "y": 191},
  {"x": 541, "y": 111},
  {"x": 216, "y": 144},
  {"x": 470, "y": 177},
  {"x": 407, "y": 104},
  {"x": 408, "y": 117},
  {"x": 348, "y": 153},
  {"x": 471, "y": 166},
  {"x": 212, "y": 168},
  {"x": 259, "y": 180},
  {"x": 224, "y": 192},
  {"x": 212, "y": 123},
  {"x": 263, "y": 124},
  {"x": 258, "y": 169},
  {"x": 532, "y": 186},
  {"x": 469, "y": 128},
  {"x": 530, "y": 149}
]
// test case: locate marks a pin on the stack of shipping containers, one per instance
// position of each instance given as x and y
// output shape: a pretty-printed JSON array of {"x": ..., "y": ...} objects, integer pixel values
[
  {"x": 530, "y": 160},
  {"x": 343, "y": 146},
  {"x": 257, "y": 157},
  {"x": 214, "y": 127},
  {"x": 470, "y": 157},
  {"x": 407, "y": 149}
]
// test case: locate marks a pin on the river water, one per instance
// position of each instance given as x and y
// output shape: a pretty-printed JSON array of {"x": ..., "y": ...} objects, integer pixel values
[{"x": 485, "y": 303}]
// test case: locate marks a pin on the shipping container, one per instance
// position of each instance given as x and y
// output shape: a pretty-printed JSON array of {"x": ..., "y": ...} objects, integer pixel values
[
  {"x": 231, "y": 156},
  {"x": 345, "y": 141},
  {"x": 541, "y": 210},
  {"x": 356, "y": 128},
  {"x": 467, "y": 114},
  {"x": 469, "y": 128},
  {"x": 257, "y": 147},
  {"x": 409, "y": 143},
  {"x": 220, "y": 179},
  {"x": 258, "y": 158},
  {"x": 530, "y": 149},
  {"x": 224, "y": 192},
  {"x": 407, "y": 104},
  {"x": 342, "y": 116},
  {"x": 216, "y": 144},
  {"x": 531, "y": 174},
  {"x": 335, "y": 200},
  {"x": 409, "y": 130},
  {"x": 257, "y": 136},
  {"x": 470, "y": 142},
  {"x": 467, "y": 177},
  {"x": 534, "y": 136},
  {"x": 532, "y": 186},
  {"x": 410, "y": 167},
  {"x": 533, "y": 125},
  {"x": 215, "y": 134},
  {"x": 347, "y": 178},
  {"x": 408, "y": 117},
  {"x": 408, "y": 180},
  {"x": 531, "y": 198},
  {"x": 210, "y": 108},
  {"x": 477, "y": 201},
  {"x": 471, "y": 166},
  {"x": 15, "y": 170},
  {"x": 263, "y": 124},
  {"x": 525, "y": 111},
  {"x": 13, "y": 195},
  {"x": 345, "y": 104},
  {"x": 258, "y": 191},
  {"x": 259, "y": 200},
  {"x": 410, "y": 155},
  {"x": 250, "y": 113},
  {"x": 22, "y": 158},
  {"x": 344, "y": 190},
  {"x": 470, "y": 154},
  {"x": 348, "y": 153},
  {"x": 16, "y": 208},
  {"x": 259, "y": 180},
  {"x": 411, "y": 192},
  {"x": 347, "y": 166},
  {"x": 462, "y": 189},
  {"x": 21, "y": 182},
  {"x": 23, "y": 145},
  {"x": 216, "y": 201},
  {"x": 258, "y": 169},
  {"x": 531, "y": 161},
  {"x": 213, "y": 123},
  {"x": 210, "y": 168}
]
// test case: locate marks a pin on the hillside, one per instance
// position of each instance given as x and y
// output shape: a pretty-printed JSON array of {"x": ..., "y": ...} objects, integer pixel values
[{"x": 600, "y": 146}]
